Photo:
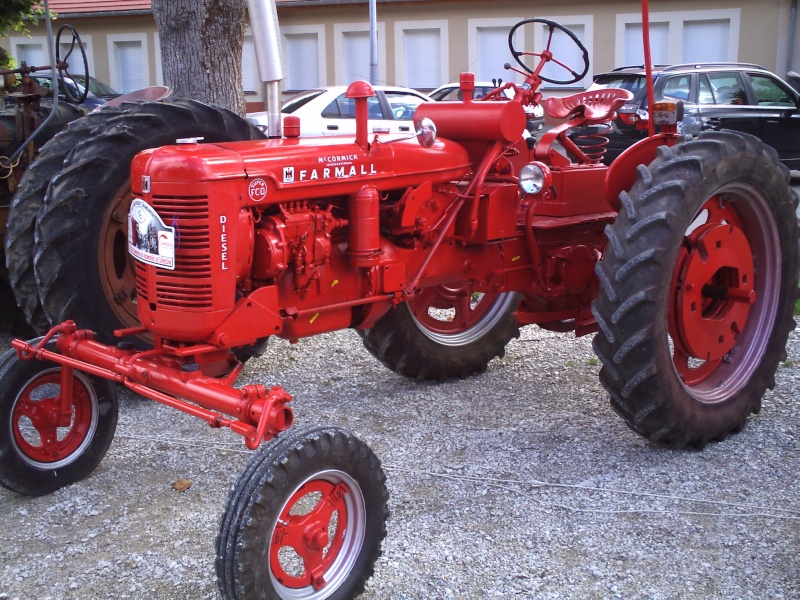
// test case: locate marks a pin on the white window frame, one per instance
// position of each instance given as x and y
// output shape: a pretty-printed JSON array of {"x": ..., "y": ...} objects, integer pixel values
[
  {"x": 676, "y": 21},
  {"x": 319, "y": 31},
  {"x": 587, "y": 21},
  {"x": 400, "y": 66},
  {"x": 112, "y": 39},
  {"x": 472, "y": 41},
  {"x": 86, "y": 40},
  {"x": 339, "y": 31}
]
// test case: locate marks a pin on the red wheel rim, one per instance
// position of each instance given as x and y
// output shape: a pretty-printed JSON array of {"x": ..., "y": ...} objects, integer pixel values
[
  {"x": 38, "y": 435},
  {"x": 718, "y": 296},
  {"x": 317, "y": 536}
]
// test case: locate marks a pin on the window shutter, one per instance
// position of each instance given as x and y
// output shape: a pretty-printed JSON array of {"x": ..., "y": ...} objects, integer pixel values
[
  {"x": 356, "y": 56},
  {"x": 249, "y": 67},
  {"x": 493, "y": 53},
  {"x": 706, "y": 41},
  {"x": 32, "y": 55},
  {"x": 423, "y": 58},
  {"x": 130, "y": 66},
  {"x": 659, "y": 44},
  {"x": 302, "y": 61}
]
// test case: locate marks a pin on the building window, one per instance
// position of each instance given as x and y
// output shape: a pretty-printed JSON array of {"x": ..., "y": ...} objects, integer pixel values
[
  {"x": 129, "y": 62},
  {"x": 249, "y": 66},
  {"x": 565, "y": 50},
  {"x": 34, "y": 53},
  {"x": 421, "y": 59},
  {"x": 352, "y": 52},
  {"x": 694, "y": 36},
  {"x": 488, "y": 49},
  {"x": 304, "y": 49}
]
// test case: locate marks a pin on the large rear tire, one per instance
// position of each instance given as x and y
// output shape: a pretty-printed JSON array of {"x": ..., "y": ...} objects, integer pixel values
[
  {"x": 25, "y": 209},
  {"x": 444, "y": 332},
  {"x": 81, "y": 262},
  {"x": 698, "y": 286}
]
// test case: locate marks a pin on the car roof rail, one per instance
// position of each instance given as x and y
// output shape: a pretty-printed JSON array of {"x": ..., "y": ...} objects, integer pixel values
[
  {"x": 635, "y": 67},
  {"x": 734, "y": 65}
]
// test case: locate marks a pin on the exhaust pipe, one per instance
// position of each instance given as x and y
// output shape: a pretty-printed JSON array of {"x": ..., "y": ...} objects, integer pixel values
[{"x": 269, "y": 57}]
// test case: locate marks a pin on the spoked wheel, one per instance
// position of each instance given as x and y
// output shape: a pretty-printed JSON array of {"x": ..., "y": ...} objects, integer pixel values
[
  {"x": 305, "y": 520},
  {"x": 444, "y": 332},
  {"x": 546, "y": 55},
  {"x": 697, "y": 289},
  {"x": 42, "y": 449}
]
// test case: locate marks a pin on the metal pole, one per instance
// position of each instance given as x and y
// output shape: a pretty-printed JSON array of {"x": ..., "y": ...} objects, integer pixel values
[
  {"x": 373, "y": 43},
  {"x": 269, "y": 56}
]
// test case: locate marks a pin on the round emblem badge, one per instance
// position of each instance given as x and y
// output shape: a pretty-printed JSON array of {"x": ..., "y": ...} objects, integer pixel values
[{"x": 257, "y": 189}]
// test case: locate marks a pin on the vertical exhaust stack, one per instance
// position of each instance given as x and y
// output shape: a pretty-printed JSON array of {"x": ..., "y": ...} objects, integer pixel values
[{"x": 269, "y": 57}]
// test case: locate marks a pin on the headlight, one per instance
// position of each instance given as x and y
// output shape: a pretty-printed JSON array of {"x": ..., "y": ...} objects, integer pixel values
[{"x": 534, "y": 177}]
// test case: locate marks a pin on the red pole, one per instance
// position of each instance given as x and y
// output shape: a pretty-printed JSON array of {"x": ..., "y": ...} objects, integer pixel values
[{"x": 648, "y": 65}]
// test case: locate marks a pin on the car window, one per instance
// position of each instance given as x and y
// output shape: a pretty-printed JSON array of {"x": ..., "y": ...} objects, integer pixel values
[
  {"x": 451, "y": 93},
  {"x": 677, "y": 87},
  {"x": 345, "y": 108},
  {"x": 727, "y": 88},
  {"x": 632, "y": 83},
  {"x": 704, "y": 94},
  {"x": 293, "y": 104},
  {"x": 770, "y": 92},
  {"x": 403, "y": 104}
]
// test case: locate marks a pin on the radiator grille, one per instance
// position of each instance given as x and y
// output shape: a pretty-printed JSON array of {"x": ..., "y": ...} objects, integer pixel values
[{"x": 189, "y": 286}]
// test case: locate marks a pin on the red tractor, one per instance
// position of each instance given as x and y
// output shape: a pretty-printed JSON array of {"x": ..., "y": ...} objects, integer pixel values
[{"x": 436, "y": 248}]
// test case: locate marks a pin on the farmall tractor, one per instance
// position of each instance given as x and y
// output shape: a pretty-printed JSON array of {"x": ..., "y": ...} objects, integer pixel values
[{"x": 682, "y": 257}]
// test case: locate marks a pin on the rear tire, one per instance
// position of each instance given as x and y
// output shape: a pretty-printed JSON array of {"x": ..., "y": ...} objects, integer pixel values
[
  {"x": 444, "y": 333},
  {"x": 37, "y": 457},
  {"x": 25, "y": 208},
  {"x": 697, "y": 289},
  {"x": 81, "y": 261}
]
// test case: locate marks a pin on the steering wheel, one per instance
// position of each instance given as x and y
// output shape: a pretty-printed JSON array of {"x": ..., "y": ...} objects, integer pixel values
[
  {"x": 546, "y": 55},
  {"x": 62, "y": 65}
]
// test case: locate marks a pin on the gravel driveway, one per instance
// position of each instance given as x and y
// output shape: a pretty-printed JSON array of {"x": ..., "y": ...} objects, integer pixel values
[{"x": 519, "y": 483}]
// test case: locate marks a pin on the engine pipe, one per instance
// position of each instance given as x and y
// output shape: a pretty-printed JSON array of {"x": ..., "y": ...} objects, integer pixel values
[
  {"x": 258, "y": 414},
  {"x": 269, "y": 57}
]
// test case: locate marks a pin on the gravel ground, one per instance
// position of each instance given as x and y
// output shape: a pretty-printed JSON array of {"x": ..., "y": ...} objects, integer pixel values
[{"x": 519, "y": 483}]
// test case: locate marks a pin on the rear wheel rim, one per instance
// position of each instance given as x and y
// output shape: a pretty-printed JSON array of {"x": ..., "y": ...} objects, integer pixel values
[
  {"x": 117, "y": 275},
  {"x": 714, "y": 369},
  {"x": 37, "y": 439},
  {"x": 317, "y": 536},
  {"x": 457, "y": 316}
]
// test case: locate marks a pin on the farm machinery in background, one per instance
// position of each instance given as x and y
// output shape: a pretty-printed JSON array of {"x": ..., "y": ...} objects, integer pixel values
[{"x": 681, "y": 257}]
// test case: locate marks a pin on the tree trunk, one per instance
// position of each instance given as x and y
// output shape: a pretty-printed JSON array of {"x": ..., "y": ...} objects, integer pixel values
[{"x": 201, "y": 49}]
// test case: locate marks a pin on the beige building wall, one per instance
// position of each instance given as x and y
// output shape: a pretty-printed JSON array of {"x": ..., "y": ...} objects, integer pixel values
[{"x": 762, "y": 32}]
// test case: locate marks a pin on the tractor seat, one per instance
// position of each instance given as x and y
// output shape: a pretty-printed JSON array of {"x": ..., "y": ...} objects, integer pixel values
[{"x": 594, "y": 105}]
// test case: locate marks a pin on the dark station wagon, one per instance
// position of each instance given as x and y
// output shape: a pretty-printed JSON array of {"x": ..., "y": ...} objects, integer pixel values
[{"x": 743, "y": 97}]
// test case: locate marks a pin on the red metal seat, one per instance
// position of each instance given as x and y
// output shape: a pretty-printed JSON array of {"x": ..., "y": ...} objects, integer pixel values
[{"x": 594, "y": 105}]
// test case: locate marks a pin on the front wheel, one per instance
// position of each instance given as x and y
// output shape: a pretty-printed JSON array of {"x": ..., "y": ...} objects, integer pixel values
[
  {"x": 698, "y": 288},
  {"x": 305, "y": 520},
  {"x": 38, "y": 452},
  {"x": 444, "y": 332}
]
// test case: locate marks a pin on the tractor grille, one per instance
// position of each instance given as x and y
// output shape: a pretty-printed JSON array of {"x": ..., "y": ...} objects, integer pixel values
[{"x": 189, "y": 286}]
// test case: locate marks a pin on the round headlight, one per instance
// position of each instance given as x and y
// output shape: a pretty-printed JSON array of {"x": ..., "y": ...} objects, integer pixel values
[{"x": 533, "y": 178}]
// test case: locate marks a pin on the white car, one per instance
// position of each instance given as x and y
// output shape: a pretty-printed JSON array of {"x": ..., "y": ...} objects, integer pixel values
[
  {"x": 451, "y": 91},
  {"x": 328, "y": 112}
]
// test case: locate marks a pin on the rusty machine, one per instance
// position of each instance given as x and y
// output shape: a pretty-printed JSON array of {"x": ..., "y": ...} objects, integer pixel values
[{"x": 682, "y": 258}]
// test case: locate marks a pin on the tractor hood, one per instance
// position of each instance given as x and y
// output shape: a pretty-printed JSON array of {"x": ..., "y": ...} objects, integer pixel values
[{"x": 303, "y": 168}]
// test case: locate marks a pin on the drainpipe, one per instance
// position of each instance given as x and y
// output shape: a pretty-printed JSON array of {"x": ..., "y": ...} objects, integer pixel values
[
  {"x": 269, "y": 57},
  {"x": 373, "y": 43},
  {"x": 792, "y": 27}
]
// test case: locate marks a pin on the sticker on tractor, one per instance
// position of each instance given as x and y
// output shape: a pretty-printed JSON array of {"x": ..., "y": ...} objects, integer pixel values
[{"x": 149, "y": 239}]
